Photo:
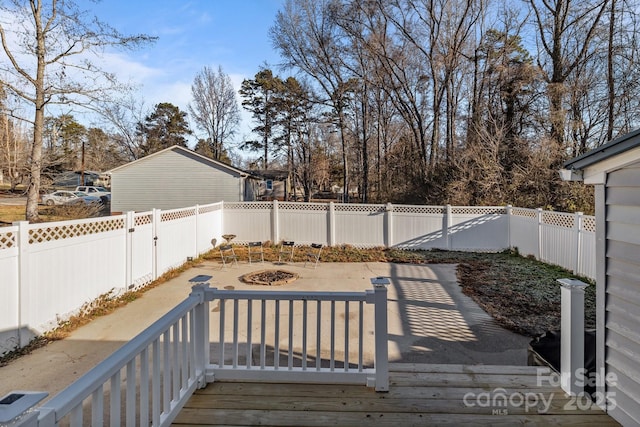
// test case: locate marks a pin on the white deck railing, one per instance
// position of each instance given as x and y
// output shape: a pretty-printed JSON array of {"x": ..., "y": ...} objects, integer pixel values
[
  {"x": 293, "y": 343},
  {"x": 149, "y": 379},
  {"x": 157, "y": 371}
]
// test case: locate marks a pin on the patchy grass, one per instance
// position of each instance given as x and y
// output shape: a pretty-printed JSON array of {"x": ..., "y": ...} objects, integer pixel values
[
  {"x": 11, "y": 213},
  {"x": 520, "y": 293}
]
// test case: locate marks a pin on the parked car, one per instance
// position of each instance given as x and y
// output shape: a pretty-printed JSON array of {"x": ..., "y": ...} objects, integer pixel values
[
  {"x": 63, "y": 197},
  {"x": 96, "y": 191}
]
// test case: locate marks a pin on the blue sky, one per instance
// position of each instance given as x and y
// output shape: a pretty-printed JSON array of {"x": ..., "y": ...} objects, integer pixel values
[{"x": 191, "y": 35}]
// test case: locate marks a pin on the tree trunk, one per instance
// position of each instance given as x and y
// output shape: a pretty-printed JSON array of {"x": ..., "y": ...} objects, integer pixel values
[
  {"x": 345, "y": 173},
  {"x": 33, "y": 191},
  {"x": 364, "y": 191}
]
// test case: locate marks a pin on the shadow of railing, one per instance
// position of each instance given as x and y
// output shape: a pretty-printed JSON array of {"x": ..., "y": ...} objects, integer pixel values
[
  {"x": 439, "y": 324},
  {"x": 478, "y": 232}
]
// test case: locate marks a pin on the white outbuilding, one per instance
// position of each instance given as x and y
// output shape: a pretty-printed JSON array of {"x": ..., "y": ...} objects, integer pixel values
[{"x": 177, "y": 177}]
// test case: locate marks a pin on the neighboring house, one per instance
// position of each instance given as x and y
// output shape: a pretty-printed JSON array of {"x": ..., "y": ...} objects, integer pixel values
[
  {"x": 74, "y": 178},
  {"x": 275, "y": 185},
  {"x": 614, "y": 170},
  {"x": 177, "y": 177}
]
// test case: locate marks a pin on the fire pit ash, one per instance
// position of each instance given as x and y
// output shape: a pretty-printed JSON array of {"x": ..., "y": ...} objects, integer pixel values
[{"x": 269, "y": 277}]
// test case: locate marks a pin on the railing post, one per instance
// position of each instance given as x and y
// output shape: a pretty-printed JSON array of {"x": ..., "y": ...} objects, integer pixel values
[
  {"x": 201, "y": 326},
  {"x": 17, "y": 409},
  {"x": 572, "y": 336},
  {"x": 381, "y": 333}
]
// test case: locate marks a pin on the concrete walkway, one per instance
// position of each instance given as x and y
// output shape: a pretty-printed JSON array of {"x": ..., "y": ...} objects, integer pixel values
[{"x": 430, "y": 320}]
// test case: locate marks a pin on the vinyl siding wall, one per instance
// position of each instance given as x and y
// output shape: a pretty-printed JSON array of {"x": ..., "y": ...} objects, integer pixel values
[
  {"x": 173, "y": 179},
  {"x": 622, "y": 303}
]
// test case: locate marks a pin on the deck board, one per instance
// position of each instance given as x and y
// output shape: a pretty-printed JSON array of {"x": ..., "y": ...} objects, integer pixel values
[{"x": 419, "y": 395}]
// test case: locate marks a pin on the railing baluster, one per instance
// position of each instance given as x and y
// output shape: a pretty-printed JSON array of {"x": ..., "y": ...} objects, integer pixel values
[
  {"x": 346, "y": 336},
  {"x": 222, "y": 315},
  {"x": 276, "y": 346},
  {"x": 304, "y": 335},
  {"x": 248, "y": 362},
  {"x": 318, "y": 335},
  {"x": 184, "y": 356},
  {"x": 75, "y": 416},
  {"x": 235, "y": 333},
  {"x": 175, "y": 363},
  {"x": 290, "y": 354},
  {"x": 155, "y": 383},
  {"x": 263, "y": 332},
  {"x": 114, "y": 401},
  {"x": 192, "y": 344},
  {"x": 361, "y": 337},
  {"x": 166, "y": 372},
  {"x": 97, "y": 406},
  {"x": 332, "y": 362},
  {"x": 144, "y": 387},
  {"x": 130, "y": 396}
]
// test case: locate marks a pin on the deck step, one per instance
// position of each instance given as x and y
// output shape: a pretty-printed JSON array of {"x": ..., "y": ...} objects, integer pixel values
[{"x": 419, "y": 394}]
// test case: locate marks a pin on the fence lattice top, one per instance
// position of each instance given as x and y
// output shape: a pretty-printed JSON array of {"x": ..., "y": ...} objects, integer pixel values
[
  {"x": 7, "y": 240},
  {"x": 66, "y": 231},
  {"x": 177, "y": 214}
]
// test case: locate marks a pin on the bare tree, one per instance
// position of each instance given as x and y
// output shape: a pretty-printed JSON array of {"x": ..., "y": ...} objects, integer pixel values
[
  {"x": 307, "y": 36},
  {"x": 566, "y": 29},
  {"x": 121, "y": 118},
  {"x": 214, "y": 108},
  {"x": 14, "y": 144},
  {"x": 48, "y": 46}
]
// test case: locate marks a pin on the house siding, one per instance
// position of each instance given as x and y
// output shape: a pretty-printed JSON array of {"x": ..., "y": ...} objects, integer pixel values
[
  {"x": 172, "y": 179},
  {"x": 622, "y": 304}
]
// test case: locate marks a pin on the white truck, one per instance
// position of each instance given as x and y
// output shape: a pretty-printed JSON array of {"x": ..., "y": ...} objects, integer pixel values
[{"x": 100, "y": 192}]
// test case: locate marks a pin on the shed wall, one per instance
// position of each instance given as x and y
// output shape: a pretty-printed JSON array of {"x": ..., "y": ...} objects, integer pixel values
[
  {"x": 170, "y": 180},
  {"x": 622, "y": 304}
]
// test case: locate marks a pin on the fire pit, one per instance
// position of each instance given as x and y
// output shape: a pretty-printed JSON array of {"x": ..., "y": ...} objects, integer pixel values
[{"x": 269, "y": 277}]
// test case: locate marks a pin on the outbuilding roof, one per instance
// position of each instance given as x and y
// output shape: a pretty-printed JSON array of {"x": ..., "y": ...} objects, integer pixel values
[{"x": 185, "y": 150}]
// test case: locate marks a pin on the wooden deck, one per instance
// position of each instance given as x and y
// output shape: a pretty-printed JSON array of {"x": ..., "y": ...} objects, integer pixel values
[{"x": 419, "y": 395}]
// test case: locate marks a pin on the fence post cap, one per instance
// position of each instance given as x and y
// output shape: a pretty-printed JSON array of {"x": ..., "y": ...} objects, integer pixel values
[
  {"x": 200, "y": 279},
  {"x": 16, "y": 403},
  {"x": 573, "y": 284},
  {"x": 380, "y": 281}
]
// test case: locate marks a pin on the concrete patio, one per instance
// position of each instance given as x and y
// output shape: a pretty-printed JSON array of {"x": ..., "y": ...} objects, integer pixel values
[{"x": 430, "y": 320}]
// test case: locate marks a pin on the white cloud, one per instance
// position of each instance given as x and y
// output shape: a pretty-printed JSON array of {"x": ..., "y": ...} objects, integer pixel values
[{"x": 128, "y": 68}]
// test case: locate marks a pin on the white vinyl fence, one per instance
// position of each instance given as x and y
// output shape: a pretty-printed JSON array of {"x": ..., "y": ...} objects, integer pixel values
[{"x": 49, "y": 271}]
